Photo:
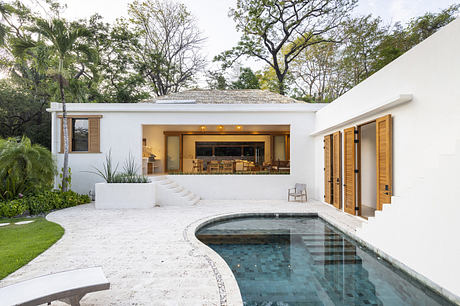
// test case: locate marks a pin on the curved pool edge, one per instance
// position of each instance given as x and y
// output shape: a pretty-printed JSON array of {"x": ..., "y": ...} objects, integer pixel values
[
  {"x": 229, "y": 291},
  {"x": 228, "y": 286}
]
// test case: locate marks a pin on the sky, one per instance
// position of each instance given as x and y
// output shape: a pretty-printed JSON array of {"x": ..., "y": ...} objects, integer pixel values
[{"x": 219, "y": 29}]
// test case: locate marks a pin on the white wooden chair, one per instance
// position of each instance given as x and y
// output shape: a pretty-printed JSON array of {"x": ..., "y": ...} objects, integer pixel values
[
  {"x": 299, "y": 191},
  {"x": 69, "y": 287}
]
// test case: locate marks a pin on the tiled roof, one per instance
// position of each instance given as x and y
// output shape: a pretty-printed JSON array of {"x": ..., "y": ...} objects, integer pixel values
[{"x": 212, "y": 96}]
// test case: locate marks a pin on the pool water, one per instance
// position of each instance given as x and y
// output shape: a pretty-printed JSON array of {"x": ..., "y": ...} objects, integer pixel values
[{"x": 306, "y": 261}]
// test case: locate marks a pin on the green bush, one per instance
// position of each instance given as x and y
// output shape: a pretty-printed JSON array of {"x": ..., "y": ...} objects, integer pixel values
[
  {"x": 42, "y": 203},
  {"x": 25, "y": 168},
  {"x": 12, "y": 208}
]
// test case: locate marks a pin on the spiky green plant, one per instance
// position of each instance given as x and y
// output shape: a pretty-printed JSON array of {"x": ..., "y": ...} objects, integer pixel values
[
  {"x": 24, "y": 168},
  {"x": 108, "y": 171},
  {"x": 130, "y": 167}
]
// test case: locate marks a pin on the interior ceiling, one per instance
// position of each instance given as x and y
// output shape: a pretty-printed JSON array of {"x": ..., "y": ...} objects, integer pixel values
[{"x": 224, "y": 127}]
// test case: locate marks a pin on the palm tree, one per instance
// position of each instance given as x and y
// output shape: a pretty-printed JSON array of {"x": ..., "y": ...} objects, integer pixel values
[{"x": 64, "y": 41}]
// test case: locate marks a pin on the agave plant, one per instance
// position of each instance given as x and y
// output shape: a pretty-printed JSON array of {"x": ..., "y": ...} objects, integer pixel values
[
  {"x": 108, "y": 171},
  {"x": 24, "y": 168}
]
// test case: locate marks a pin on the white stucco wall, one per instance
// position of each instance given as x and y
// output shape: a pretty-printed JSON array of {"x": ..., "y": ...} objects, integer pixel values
[
  {"x": 415, "y": 228},
  {"x": 122, "y": 128}
]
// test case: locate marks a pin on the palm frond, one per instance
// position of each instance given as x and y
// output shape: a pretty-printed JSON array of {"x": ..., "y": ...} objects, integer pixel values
[{"x": 21, "y": 46}]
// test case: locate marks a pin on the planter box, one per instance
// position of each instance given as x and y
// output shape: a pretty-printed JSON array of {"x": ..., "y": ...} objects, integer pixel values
[{"x": 116, "y": 196}]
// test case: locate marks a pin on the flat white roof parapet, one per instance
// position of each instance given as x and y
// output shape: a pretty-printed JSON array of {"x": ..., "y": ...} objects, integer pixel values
[
  {"x": 363, "y": 113},
  {"x": 175, "y": 101},
  {"x": 155, "y": 107}
]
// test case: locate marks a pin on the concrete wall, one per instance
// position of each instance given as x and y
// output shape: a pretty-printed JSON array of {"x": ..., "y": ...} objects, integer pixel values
[
  {"x": 425, "y": 130},
  {"x": 122, "y": 130},
  {"x": 237, "y": 187}
]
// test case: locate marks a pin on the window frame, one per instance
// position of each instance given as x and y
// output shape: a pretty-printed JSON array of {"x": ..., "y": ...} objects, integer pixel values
[{"x": 94, "y": 135}]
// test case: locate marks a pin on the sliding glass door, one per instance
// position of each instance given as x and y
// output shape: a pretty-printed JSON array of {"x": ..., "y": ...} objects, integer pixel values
[{"x": 173, "y": 153}]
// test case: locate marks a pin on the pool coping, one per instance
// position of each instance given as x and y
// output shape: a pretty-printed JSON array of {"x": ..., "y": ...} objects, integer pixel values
[{"x": 229, "y": 291}]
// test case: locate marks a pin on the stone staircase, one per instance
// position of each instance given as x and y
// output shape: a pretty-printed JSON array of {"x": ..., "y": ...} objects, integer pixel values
[{"x": 171, "y": 193}]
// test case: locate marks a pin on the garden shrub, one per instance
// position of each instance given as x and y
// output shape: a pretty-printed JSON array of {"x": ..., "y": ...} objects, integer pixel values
[
  {"x": 12, "y": 208},
  {"x": 42, "y": 203},
  {"x": 25, "y": 168}
]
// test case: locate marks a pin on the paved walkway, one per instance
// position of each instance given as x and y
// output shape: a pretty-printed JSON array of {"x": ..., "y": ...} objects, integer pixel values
[{"x": 147, "y": 254}]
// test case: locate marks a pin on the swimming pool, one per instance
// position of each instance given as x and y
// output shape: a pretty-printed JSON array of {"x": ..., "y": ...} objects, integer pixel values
[{"x": 306, "y": 261}]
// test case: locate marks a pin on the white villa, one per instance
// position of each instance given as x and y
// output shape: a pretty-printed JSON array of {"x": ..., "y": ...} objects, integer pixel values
[{"x": 388, "y": 151}]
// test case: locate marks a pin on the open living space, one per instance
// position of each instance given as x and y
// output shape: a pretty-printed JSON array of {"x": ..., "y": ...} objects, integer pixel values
[{"x": 213, "y": 223}]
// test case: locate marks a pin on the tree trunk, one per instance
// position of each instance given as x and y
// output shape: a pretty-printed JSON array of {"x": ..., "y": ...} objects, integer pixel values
[
  {"x": 65, "y": 167},
  {"x": 281, "y": 88}
]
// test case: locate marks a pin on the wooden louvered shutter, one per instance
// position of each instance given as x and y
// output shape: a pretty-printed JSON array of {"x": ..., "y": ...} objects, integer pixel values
[
  {"x": 94, "y": 135},
  {"x": 328, "y": 169},
  {"x": 349, "y": 157},
  {"x": 69, "y": 128},
  {"x": 337, "y": 169},
  {"x": 384, "y": 160}
]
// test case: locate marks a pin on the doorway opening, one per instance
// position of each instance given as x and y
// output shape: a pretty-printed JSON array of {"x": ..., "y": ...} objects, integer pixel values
[{"x": 368, "y": 165}]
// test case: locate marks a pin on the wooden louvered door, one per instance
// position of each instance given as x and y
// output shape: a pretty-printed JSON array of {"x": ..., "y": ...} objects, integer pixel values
[
  {"x": 337, "y": 169},
  {"x": 384, "y": 160},
  {"x": 349, "y": 166},
  {"x": 328, "y": 169}
]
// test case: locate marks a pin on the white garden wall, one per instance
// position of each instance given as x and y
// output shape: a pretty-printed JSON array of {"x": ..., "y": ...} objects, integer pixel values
[{"x": 414, "y": 229}]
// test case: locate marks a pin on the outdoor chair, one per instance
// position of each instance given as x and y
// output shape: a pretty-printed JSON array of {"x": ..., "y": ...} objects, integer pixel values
[
  {"x": 299, "y": 191},
  {"x": 69, "y": 287}
]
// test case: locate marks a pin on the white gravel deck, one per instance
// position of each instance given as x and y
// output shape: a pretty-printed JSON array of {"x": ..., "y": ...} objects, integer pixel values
[{"x": 151, "y": 256}]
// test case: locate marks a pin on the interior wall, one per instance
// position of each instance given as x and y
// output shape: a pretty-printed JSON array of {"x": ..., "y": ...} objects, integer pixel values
[
  {"x": 156, "y": 140},
  {"x": 368, "y": 166},
  {"x": 190, "y": 140}
]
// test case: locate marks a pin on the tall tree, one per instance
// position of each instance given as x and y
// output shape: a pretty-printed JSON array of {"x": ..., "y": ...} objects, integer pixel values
[
  {"x": 216, "y": 80},
  {"x": 171, "y": 42},
  {"x": 64, "y": 42},
  {"x": 268, "y": 26},
  {"x": 246, "y": 80},
  {"x": 402, "y": 38},
  {"x": 314, "y": 73},
  {"x": 116, "y": 45}
]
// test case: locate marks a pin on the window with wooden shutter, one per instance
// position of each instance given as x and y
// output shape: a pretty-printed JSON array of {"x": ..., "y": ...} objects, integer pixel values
[
  {"x": 84, "y": 134},
  {"x": 94, "y": 135}
]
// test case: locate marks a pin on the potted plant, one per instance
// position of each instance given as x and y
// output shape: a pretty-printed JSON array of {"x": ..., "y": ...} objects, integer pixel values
[{"x": 126, "y": 189}]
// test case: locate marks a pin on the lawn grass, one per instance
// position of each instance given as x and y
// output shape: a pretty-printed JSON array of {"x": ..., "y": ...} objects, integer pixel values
[{"x": 19, "y": 244}]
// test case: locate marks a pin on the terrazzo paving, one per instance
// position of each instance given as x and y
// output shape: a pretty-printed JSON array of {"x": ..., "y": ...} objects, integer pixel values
[{"x": 151, "y": 256}]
